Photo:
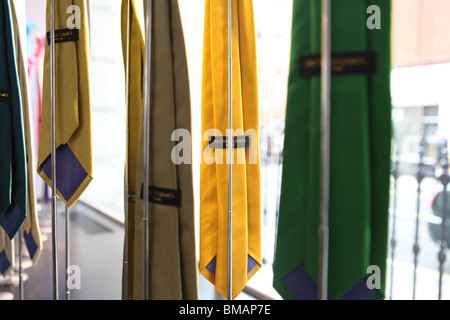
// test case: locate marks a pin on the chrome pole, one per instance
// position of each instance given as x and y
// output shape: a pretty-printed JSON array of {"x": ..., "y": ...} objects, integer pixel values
[
  {"x": 127, "y": 199},
  {"x": 393, "y": 242},
  {"x": 230, "y": 150},
  {"x": 19, "y": 235},
  {"x": 277, "y": 208},
  {"x": 88, "y": 10},
  {"x": 147, "y": 109},
  {"x": 442, "y": 257},
  {"x": 21, "y": 293},
  {"x": 416, "y": 247},
  {"x": 325, "y": 149},
  {"x": 67, "y": 252},
  {"x": 53, "y": 147}
]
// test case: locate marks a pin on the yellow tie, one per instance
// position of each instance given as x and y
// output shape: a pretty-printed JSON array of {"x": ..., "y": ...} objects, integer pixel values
[
  {"x": 246, "y": 258},
  {"x": 73, "y": 109},
  {"x": 135, "y": 41},
  {"x": 173, "y": 266}
]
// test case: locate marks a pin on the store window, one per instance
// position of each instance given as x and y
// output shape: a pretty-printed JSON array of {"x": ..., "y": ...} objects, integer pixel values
[
  {"x": 420, "y": 116},
  {"x": 108, "y": 108}
]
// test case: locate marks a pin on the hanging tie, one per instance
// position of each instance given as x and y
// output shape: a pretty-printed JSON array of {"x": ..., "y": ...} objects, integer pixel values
[
  {"x": 73, "y": 108},
  {"x": 31, "y": 228},
  {"x": 246, "y": 188},
  {"x": 360, "y": 155},
  {"x": 13, "y": 176},
  {"x": 134, "y": 69},
  {"x": 173, "y": 267}
]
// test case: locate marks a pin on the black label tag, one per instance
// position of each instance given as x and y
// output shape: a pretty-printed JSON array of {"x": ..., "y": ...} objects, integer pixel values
[
  {"x": 162, "y": 196},
  {"x": 131, "y": 197},
  {"x": 65, "y": 35},
  {"x": 341, "y": 64},
  {"x": 5, "y": 96},
  {"x": 240, "y": 142}
]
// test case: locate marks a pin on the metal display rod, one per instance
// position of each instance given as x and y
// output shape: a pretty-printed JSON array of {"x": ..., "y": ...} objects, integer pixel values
[
  {"x": 127, "y": 101},
  {"x": 67, "y": 252},
  {"x": 21, "y": 287},
  {"x": 325, "y": 149},
  {"x": 147, "y": 107},
  {"x": 442, "y": 256},
  {"x": 53, "y": 149},
  {"x": 230, "y": 150},
  {"x": 420, "y": 175},
  {"x": 393, "y": 242}
]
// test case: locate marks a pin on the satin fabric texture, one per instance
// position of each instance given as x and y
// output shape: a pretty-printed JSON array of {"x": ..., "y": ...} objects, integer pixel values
[
  {"x": 246, "y": 186},
  {"x": 360, "y": 147},
  {"x": 13, "y": 167},
  {"x": 74, "y": 166},
  {"x": 172, "y": 257},
  {"x": 30, "y": 227}
]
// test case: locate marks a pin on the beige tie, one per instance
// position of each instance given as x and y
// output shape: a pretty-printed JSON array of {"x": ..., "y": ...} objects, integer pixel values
[{"x": 173, "y": 266}]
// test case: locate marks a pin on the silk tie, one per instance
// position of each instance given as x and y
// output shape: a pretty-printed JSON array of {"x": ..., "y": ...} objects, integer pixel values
[
  {"x": 31, "y": 228},
  {"x": 134, "y": 69},
  {"x": 360, "y": 155},
  {"x": 13, "y": 176},
  {"x": 173, "y": 267},
  {"x": 74, "y": 166},
  {"x": 246, "y": 228}
]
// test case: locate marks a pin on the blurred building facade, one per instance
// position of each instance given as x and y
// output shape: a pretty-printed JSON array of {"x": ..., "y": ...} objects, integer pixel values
[{"x": 420, "y": 77}]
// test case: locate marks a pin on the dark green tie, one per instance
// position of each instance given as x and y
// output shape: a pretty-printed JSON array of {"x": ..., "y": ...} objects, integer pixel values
[
  {"x": 360, "y": 154},
  {"x": 13, "y": 178}
]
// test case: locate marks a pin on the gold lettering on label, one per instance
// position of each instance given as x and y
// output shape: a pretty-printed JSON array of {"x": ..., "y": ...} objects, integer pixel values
[
  {"x": 338, "y": 64},
  {"x": 341, "y": 63},
  {"x": 62, "y": 35},
  {"x": 312, "y": 63},
  {"x": 159, "y": 196}
]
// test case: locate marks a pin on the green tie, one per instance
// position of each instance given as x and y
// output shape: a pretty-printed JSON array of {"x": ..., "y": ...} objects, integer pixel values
[{"x": 360, "y": 155}]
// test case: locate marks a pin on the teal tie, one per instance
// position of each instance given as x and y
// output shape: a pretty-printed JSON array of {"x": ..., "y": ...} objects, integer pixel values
[{"x": 13, "y": 178}]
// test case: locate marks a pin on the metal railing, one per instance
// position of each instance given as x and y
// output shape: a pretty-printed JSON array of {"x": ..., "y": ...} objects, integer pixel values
[{"x": 420, "y": 169}]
